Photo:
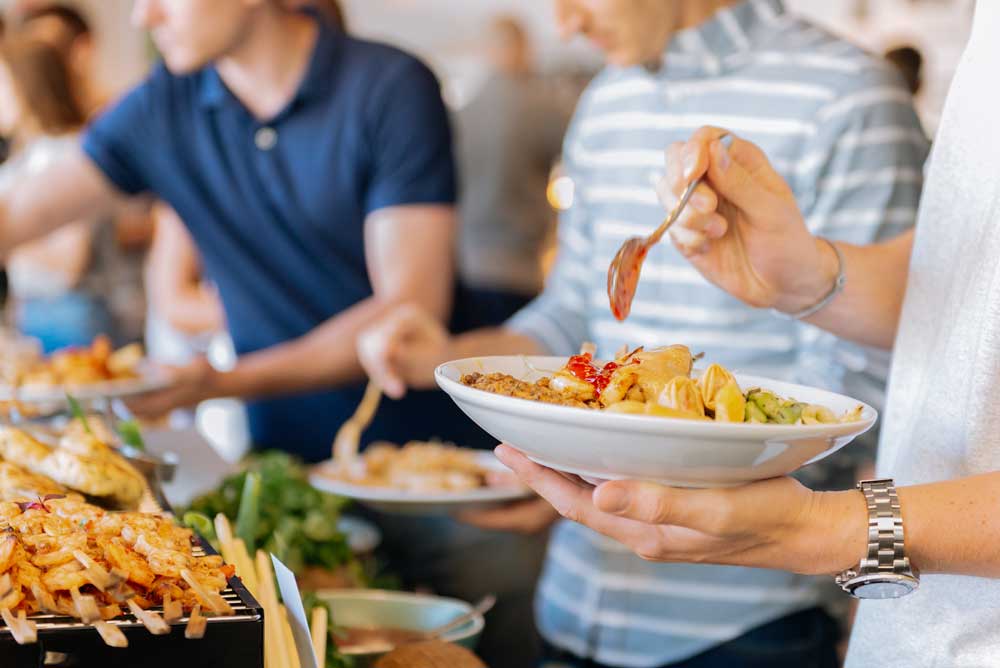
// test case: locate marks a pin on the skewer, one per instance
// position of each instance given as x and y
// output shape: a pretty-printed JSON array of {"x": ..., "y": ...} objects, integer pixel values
[
  {"x": 274, "y": 644},
  {"x": 318, "y": 626},
  {"x": 111, "y": 634},
  {"x": 44, "y": 598},
  {"x": 212, "y": 600},
  {"x": 99, "y": 577},
  {"x": 172, "y": 610},
  {"x": 244, "y": 565},
  {"x": 196, "y": 624},
  {"x": 86, "y": 606},
  {"x": 6, "y": 586},
  {"x": 294, "y": 661},
  {"x": 24, "y": 631},
  {"x": 152, "y": 621}
]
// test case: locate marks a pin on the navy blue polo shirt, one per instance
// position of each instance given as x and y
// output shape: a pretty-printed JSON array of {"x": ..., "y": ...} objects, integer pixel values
[{"x": 277, "y": 207}]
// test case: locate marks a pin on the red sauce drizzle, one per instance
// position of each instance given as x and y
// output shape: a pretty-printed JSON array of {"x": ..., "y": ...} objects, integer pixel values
[{"x": 583, "y": 367}]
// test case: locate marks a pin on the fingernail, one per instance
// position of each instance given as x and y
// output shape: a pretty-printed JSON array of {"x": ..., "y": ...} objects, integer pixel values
[
  {"x": 611, "y": 498},
  {"x": 701, "y": 202},
  {"x": 722, "y": 159},
  {"x": 688, "y": 164}
]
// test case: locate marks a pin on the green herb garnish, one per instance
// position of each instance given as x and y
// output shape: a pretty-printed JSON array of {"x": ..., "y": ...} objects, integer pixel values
[
  {"x": 77, "y": 411},
  {"x": 131, "y": 434}
]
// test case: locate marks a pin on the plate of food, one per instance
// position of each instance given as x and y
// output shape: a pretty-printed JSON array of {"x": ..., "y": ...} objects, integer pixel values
[
  {"x": 650, "y": 415},
  {"x": 94, "y": 372},
  {"x": 420, "y": 478}
]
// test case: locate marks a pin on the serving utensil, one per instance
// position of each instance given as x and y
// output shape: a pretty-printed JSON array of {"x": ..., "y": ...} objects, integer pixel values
[{"x": 623, "y": 273}]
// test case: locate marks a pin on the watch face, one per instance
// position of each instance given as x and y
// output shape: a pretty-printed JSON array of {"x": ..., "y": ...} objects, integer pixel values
[{"x": 883, "y": 589}]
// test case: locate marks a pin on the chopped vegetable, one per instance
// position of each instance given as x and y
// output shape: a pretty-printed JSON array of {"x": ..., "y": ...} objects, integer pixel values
[
  {"x": 285, "y": 514},
  {"x": 131, "y": 434}
]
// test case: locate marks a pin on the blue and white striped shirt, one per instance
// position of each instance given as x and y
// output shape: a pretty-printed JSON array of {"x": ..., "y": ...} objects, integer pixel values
[{"x": 840, "y": 127}]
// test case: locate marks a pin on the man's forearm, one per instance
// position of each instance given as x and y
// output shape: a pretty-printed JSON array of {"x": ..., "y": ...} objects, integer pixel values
[
  {"x": 868, "y": 309},
  {"x": 321, "y": 359}
]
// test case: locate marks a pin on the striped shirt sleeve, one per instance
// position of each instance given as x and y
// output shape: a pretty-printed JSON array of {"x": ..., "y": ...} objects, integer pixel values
[{"x": 557, "y": 318}]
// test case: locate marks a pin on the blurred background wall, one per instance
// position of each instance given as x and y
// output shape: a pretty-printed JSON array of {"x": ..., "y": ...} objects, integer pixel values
[{"x": 447, "y": 34}]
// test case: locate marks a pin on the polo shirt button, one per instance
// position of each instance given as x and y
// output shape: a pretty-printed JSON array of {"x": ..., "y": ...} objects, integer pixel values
[{"x": 265, "y": 138}]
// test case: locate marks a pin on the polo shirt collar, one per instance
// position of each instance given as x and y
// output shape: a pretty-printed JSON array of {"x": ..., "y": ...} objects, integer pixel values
[
  {"x": 729, "y": 33},
  {"x": 212, "y": 91}
]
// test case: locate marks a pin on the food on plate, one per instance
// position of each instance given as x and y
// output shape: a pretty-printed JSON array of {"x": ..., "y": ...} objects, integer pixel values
[
  {"x": 658, "y": 382},
  {"x": 68, "y": 557},
  {"x": 417, "y": 467},
  {"x": 78, "y": 460},
  {"x": 78, "y": 367}
]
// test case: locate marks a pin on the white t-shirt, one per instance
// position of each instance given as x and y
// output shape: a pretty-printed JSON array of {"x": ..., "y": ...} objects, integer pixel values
[{"x": 943, "y": 415}]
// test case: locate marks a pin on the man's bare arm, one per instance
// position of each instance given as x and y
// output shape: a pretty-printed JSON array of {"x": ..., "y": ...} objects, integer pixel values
[
  {"x": 69, "y": 190},
  {"x": 409, "y": 255}
]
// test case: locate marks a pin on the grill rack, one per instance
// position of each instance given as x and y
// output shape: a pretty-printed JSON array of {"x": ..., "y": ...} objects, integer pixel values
[{"x": 232, "y": 641}]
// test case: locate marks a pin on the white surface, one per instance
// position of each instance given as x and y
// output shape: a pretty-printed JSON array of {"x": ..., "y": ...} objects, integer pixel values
[
  {"x": 417, "y": 503},
  {"x": 942, "y": 417},
  {"x": 602, "y": 445},
  {"x": 292, "y": 599}
]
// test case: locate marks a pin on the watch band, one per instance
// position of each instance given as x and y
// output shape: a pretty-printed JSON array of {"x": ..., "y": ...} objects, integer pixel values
[{"x": 886, "y": 551}]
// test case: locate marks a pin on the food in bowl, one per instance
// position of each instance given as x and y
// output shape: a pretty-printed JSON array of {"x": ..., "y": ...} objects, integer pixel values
[{"x": 658, "y": 382}]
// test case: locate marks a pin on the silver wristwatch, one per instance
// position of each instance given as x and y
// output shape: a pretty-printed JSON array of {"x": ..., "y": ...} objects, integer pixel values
[{"x": 884, "y": 572}]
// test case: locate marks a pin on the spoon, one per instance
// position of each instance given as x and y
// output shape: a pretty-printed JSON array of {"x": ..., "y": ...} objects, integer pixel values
[{"x": 623, "y": 274}]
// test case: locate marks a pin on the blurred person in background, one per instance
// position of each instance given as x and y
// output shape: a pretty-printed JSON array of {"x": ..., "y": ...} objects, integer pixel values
[
  {"x": 314, "y": 172},
  {"x": 121, "y": 241},
  {"x": 57, "y": 281},
  {"x": 507, "y": 139},
  {"x": 68, "y": 30},
  {"x": 184, "y": 312},
  {"x": 841, "y": 128}
]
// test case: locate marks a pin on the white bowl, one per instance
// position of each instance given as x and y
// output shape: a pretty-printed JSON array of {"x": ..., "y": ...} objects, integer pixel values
[{"x": 599, "y": 445}]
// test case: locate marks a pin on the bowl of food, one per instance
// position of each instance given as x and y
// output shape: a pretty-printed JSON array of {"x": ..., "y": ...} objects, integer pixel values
[
  {"x": 420, "y": 478},
  {"x": 368, "y": 623},
  {"x": 649, "y": 415}
]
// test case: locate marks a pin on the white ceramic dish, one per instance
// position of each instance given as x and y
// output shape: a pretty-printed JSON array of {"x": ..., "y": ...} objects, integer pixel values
[
  {"x": 391, "y": 500},
  {"x": 600, "y": 445},
  {"x": 112, "y": 389}
]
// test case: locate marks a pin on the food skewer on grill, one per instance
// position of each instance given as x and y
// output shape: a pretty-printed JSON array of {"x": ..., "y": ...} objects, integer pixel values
[
  {"x": 152, "y": 621},
  {"x": 24, "y": 630},
  {"x": 196, "y": 624},
  {"x": 64, "y": 556},
  {"x": 172, "y": 610}
]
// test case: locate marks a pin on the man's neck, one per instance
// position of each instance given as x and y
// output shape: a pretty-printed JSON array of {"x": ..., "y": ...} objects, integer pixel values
[
  {"x": 695, "y": 13},
  {"x": 689, "y": 15},
  {"x": 265, "y": 69}
]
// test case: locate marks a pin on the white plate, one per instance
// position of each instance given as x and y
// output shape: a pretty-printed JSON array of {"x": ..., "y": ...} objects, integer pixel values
[
  {"x": 112, "y": 389},
  {"x": 602, "y": 445},
  {"x": 391, "y": 500}
]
